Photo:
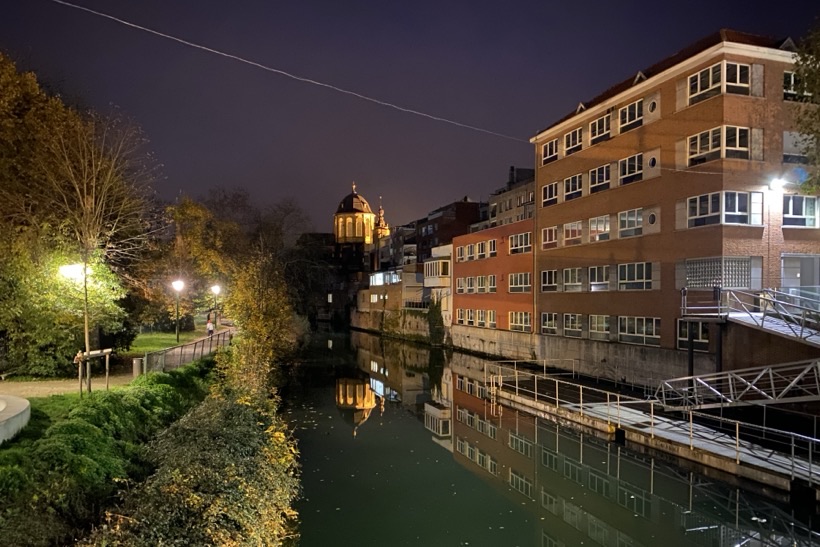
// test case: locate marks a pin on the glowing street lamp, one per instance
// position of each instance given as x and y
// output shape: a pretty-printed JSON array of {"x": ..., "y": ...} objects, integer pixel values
[
  {"x": 79, "y": 274},
  {"x": 178, "y": 285},
  {"x": 216, "y": 289}
]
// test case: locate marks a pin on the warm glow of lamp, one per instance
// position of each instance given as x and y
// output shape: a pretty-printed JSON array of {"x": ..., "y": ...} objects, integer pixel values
[
  {"x": 777, "y": 184},
  {"x": 72, "y": 271},
  {"x": 178, "y": 285},
  {"x": 216, "y": 290}
]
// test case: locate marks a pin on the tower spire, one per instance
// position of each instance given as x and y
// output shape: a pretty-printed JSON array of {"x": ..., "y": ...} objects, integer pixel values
[{"x": 354, "y": 186}]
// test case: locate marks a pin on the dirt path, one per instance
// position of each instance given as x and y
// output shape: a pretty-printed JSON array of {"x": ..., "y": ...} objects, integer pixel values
[{"x": 44, "y": 388}]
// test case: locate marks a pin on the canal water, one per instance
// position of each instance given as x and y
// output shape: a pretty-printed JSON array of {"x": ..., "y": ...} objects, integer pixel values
[{"x": 399, "y": 445}]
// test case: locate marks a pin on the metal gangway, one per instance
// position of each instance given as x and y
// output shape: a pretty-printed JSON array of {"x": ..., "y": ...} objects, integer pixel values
[
  {"x": 792, "y": 312},
  {"x": 778, "y": 384}
]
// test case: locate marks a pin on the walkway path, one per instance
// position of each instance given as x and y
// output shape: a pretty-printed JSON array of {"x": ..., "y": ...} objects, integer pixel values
[{"x": 44, "y": 388}]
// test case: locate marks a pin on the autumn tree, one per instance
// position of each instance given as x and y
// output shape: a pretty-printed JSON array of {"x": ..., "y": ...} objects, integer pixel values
[{"x": 807, "y": 83}]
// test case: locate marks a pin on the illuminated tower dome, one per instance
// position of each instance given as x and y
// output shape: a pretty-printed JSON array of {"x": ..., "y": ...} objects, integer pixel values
[{"x": 354, "y": 220}]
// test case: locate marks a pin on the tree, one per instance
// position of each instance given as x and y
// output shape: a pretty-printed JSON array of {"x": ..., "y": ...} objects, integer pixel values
[{"x": 807, "y": 72}]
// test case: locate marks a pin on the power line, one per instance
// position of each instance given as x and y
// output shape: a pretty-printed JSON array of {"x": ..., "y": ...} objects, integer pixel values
[{"x": 288, "y": 74}]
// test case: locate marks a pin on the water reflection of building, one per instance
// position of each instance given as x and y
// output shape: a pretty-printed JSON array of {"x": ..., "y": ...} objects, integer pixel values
[
  {"x": 586, "y": 490},
  {"x": 356, "y": 400}
]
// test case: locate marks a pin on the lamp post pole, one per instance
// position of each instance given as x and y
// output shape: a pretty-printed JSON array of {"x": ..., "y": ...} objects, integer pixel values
[
  {"x": 216, "y": 289},
  {"x": 178, "y": 286}
]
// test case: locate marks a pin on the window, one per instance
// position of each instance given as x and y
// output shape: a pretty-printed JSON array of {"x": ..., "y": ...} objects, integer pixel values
[
  {"x": 800, "y": 211},
  {"x": 573, "y": 232},
  {"x": 520, "y": 282},
  {"x": 793, "y": 89},
  {"x": 481, "y": 283},
  {"x": 549, "y": 194},
  {"x": 700, "y": 332},
  {"x": 737, "y": 78},
  {"x": 573, "y": 325},
  {"x": 549, "y": 237},
  {"x": 491, "y": 245},
  {"x": 491, "y": 318},
  {"x": 640, "y": 330},
  {"x": 549, "y": 152},
  {"x": 460, "y": 316},
  {"x": 630, "y": 223},
  {"x": 482, "y": 318},
  {"x": 459, "y": 254},
  {"x": 481, "y": 249},
  {"x": 630, "y": 169},
  {"x": 736, "y": 142},
  {"x": 598, "y": 278},
  {"x": 725, "y": 208},
  {"x": 549, "y": 280},
  {"x": 573, "y": 141},
  {"x": 599, "y": 228},
  {"x": 710, "y": 81},
  {"x": 729, "y": 271},
  {"x": 572, "y": 279},
  {"x": 599, "y": 327},
  {"x": 599, "y": 179},
  {"x": 520, "y": 243},
  {"x": 573, "y": 187},
  {"x": 374, "y": 298},
  {"x": 521, "y": 483},
  {"x": 471, "y": 284},
  {"x": 549, "y": 323},
  {"x": 520, "y": 321},
  {"x": 635, "y": 276},
  {"x": 705, "y": 83},
  {"x": 471, "y": 252},
  {"x": 471, "y": 317},
  {"x": 491, "y": 283},
  {"x": 599, "y": 130},
  {"x": 726, "y": 141},
  {"x": 631, "y": 116},
  {"x": 459, "y": 285},
  {"x": 521, "y": 444}
]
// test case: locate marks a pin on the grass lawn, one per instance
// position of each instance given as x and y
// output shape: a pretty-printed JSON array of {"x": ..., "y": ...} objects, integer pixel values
[
  {"x": 155, "y": 341},
  {"x": 44, "y": 412}
]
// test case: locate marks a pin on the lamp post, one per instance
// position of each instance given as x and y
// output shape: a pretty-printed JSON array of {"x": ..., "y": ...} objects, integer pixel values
[
  {"x": 216, "y": 290},
  {"x": 178, "y": 285},
  {"x": 775, "y": 191}
]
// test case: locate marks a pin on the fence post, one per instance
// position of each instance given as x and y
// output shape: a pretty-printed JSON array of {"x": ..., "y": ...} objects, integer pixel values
[
  {"x": 618, "y": 408},
  {"x": 535, "y": 388},
  {"x": 792, "y": 458},
  {"x": 581, "y": 398},
  {"x": 515, "y": 370},
  {"x": 652, "y": 419},
  {"x": 737, "y": 442},
  {"x": 691, "y": 440},
  {"x": 607, "y": 408}
]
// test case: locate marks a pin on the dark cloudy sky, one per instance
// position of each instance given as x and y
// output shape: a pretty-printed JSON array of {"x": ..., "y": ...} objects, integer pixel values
[{"x": 506, "y": 66}]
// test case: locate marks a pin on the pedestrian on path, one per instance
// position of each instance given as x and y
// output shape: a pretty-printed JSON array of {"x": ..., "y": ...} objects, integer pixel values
[{"x": 210, "y": 328}]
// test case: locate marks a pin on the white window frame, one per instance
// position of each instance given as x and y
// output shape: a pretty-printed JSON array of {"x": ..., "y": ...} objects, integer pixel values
[
  {"x": 549, "y": 323},
  {"x": 599, "y": 229},
  {"x": 724, "y": 208},
  {"x": 573, "y": 232},
  {"x": 573, "y": 187},
  {"x": 549, "y": 151},
  {"x": 573, "y": 326},
  {"x": 471, "y": 251},
  {"x": 635, "y": 276},
  {"x": 520, "y": 321},
  {"x": 791, "y": 87},
  {"x": 573, "y": 141},
  {"x": 481, "y": 249},
  {"x": 599, "y": 178},
  {"x": 549, "y": 280},
  {"x": 520, "y": 243},
  {"x": 459, "y": 285},
  {"x": 481, "y": 320},
  {"x": 705, "y": 83},
  {"x": 470, "y": 285},
  {"x": 491, "y": 248},
  {"x": 460, "y": 254},
  {"x": 491, "y": 322},
  {"x": 630, "y": 169},
  {"x": 639, "y": 330},
  {"x": 481, "y": 284},
  {"x": 598, "y": 278},
  {"x": 549, "y": 194},
  {"x": 460, "y": 316},
  {"x": 519, "y": 282},
  {"x": 794, "y": 211},
  {"x": 471, "y": 317},
  {"x": 630, "y": 116},
  {"x": 549, "y": 237},
  {"x": 599, "y": 327},
  {"x": 630, "y": 223},
  {"x": 599, "y": 129},
  {"x": 700, "y": 342},
  {"x": 572, "y": 279}
]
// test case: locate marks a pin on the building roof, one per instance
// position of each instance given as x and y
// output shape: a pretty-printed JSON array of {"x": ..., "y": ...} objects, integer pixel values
[
  {"x": 723, "y": 35},
  {"x": 353, "y": 203}
]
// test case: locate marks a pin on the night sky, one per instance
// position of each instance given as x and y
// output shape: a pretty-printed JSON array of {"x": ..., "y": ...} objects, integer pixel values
[{"x": 507, "y": 67}]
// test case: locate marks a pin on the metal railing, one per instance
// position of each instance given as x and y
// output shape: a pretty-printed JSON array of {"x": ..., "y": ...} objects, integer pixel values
[
  {"x": 177, "y": 356},
  {"x": 790, "y": 311},
  {"x": 749, "y": 442}
]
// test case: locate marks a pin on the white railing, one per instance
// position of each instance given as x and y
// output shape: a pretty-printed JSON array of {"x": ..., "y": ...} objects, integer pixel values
[{"x": 177, "y": 356}]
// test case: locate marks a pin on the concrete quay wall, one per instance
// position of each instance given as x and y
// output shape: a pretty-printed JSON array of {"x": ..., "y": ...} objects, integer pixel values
[{"x": 15, "y": 413}]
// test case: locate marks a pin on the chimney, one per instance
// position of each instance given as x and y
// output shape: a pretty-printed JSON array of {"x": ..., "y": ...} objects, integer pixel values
[{"x": 511, "y": 179}]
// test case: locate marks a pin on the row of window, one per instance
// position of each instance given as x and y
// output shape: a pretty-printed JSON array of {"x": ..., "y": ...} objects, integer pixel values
[
  {"x": 633, "y": 276},
  {"x": 630, "y": 224},
  {"x": 644, "y": 331},
  {"x": 474, "y": 454},
  {"x": 475, "y": 421},
  {"x": 629, "y": 170},
  {"x": 476, "y": 318},
  {"x": 724, "y": 77},
  {"x": 473, "y": 251}
]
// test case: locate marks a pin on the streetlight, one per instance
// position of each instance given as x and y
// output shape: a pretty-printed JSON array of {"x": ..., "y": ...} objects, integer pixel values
[
  {"x": 178, "y": 285},
  {"x": 216, "y": 290},
  {"x": 79, "y": 274}
]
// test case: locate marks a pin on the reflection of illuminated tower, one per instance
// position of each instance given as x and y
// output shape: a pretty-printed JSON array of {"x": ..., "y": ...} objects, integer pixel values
[{"x": 355, "y": 400}]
